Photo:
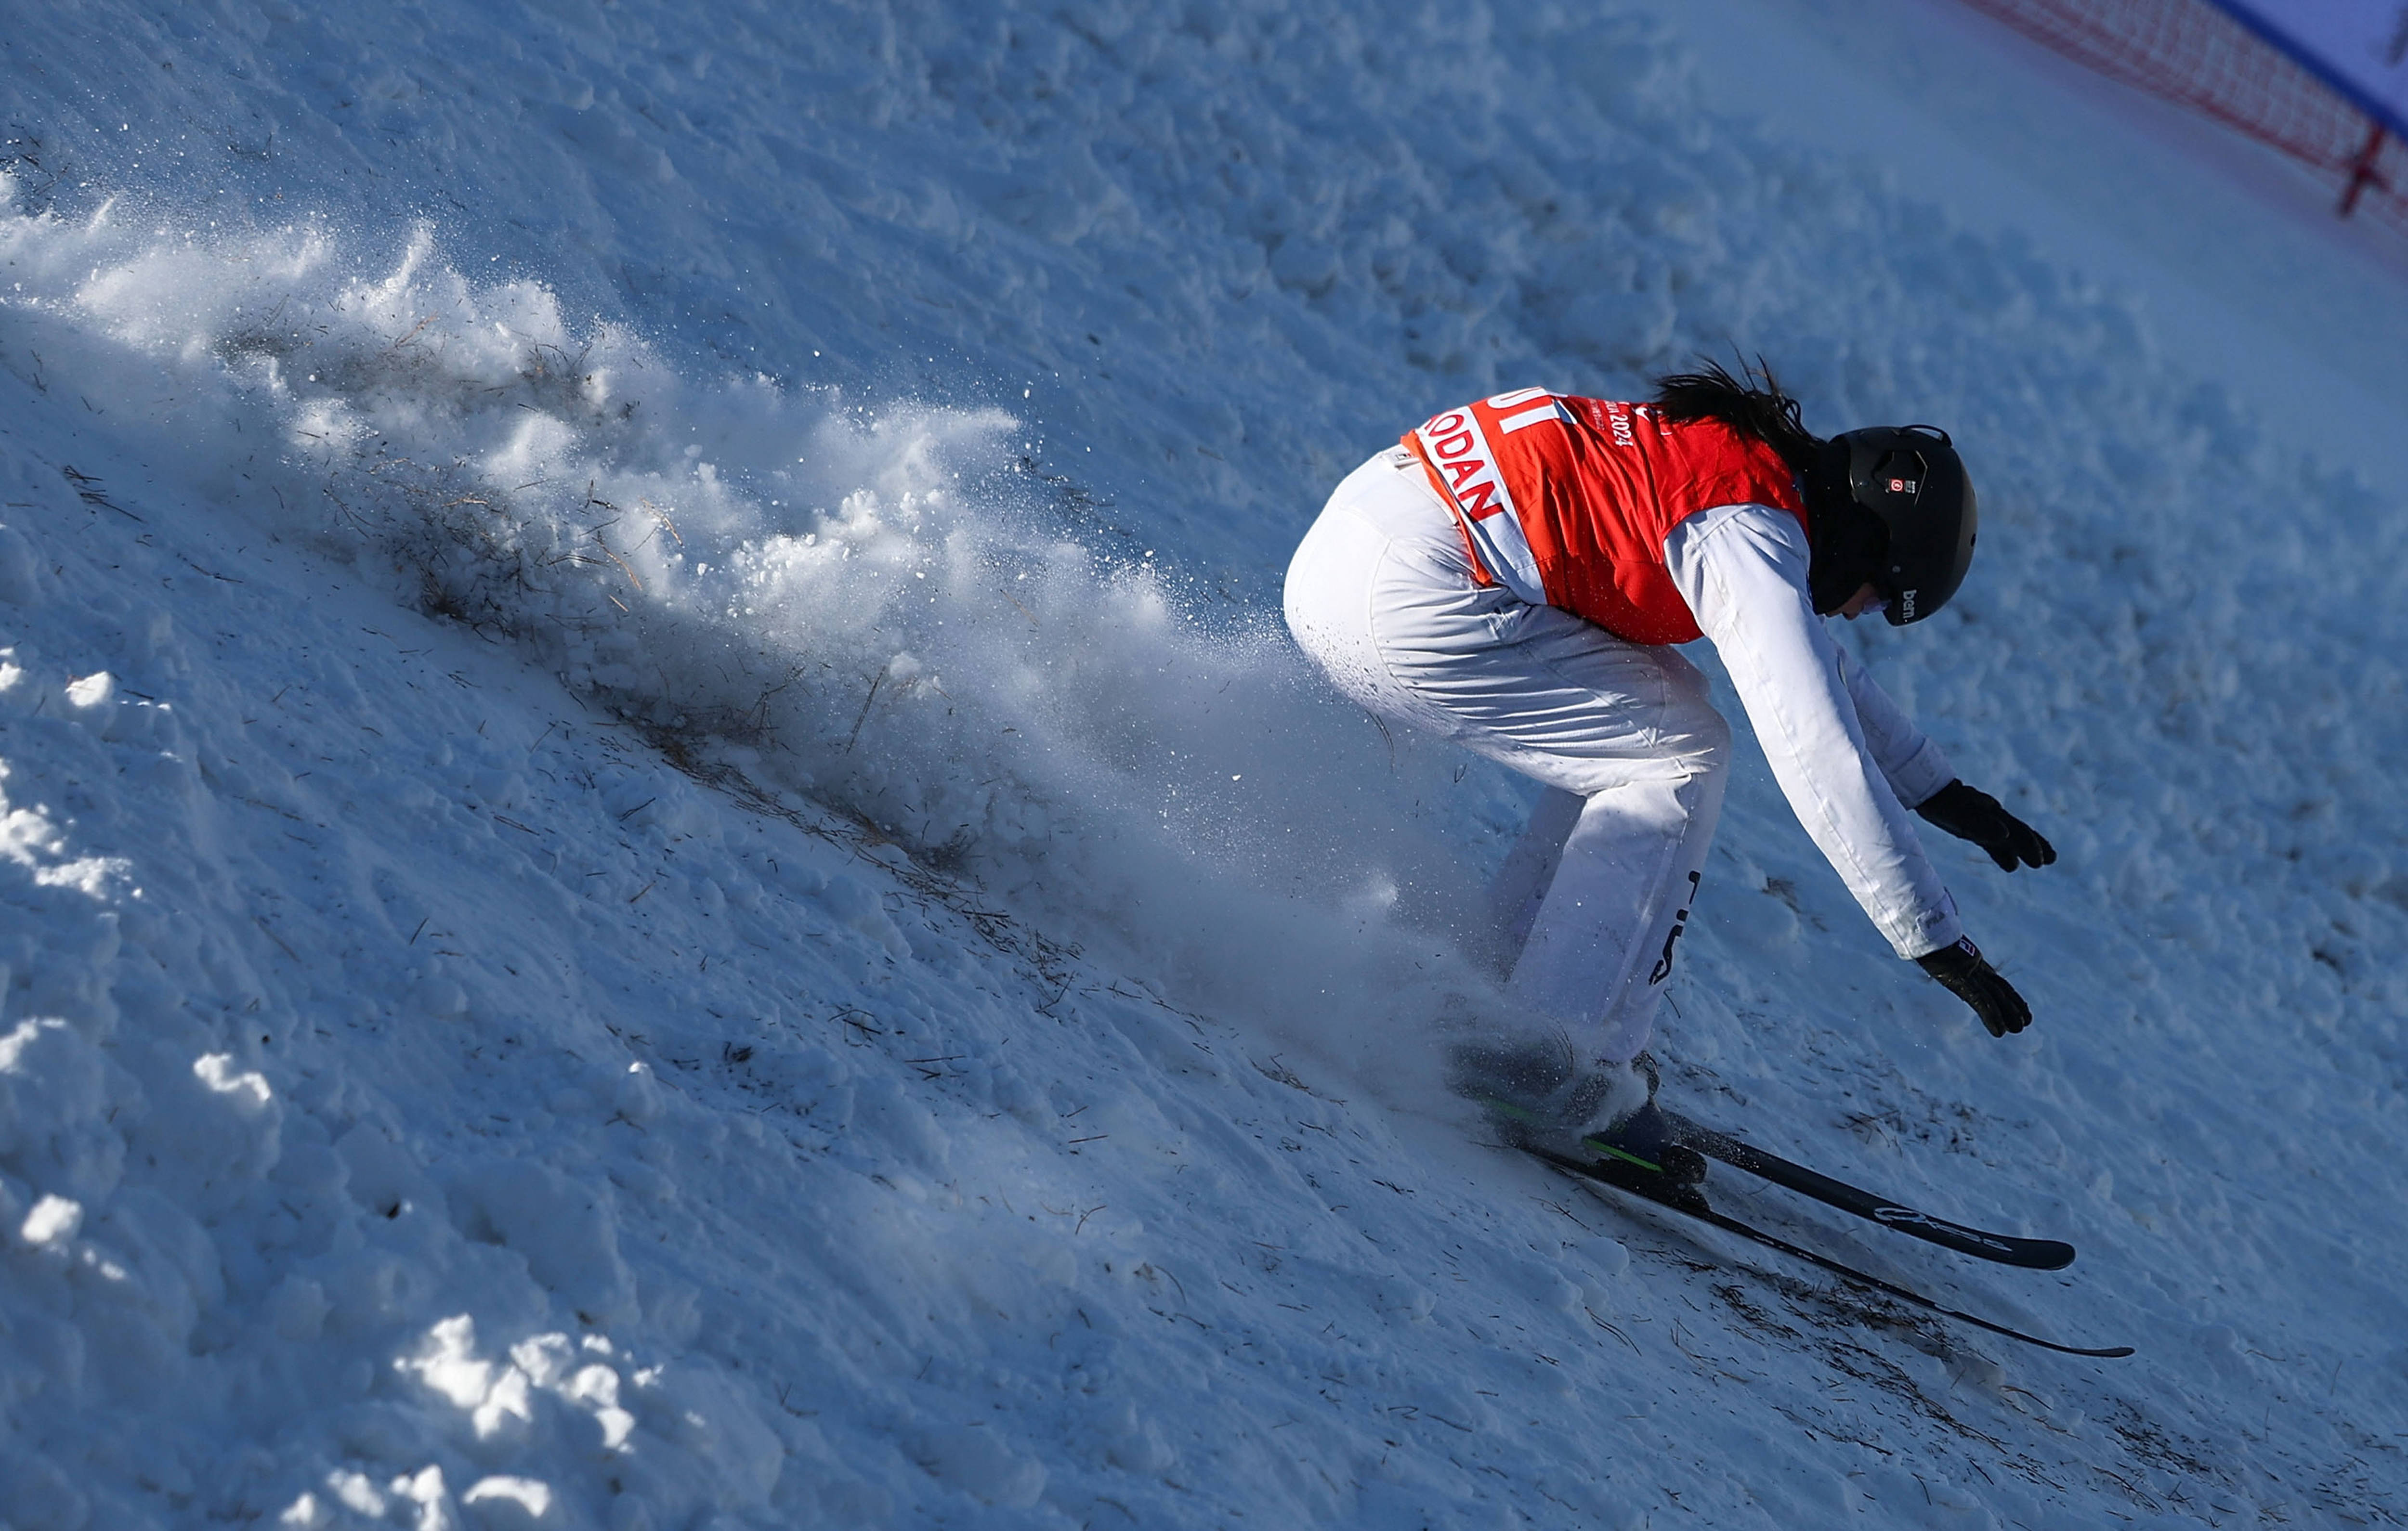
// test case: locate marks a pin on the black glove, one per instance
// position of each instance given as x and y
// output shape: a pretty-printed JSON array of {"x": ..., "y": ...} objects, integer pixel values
[
  {"x": 1971, "y": 814},
  {"x": 1967, "y": 974}
]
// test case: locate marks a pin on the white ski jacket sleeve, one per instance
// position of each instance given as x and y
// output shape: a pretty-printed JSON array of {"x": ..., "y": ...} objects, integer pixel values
[{"x": 1847, "y": 756}]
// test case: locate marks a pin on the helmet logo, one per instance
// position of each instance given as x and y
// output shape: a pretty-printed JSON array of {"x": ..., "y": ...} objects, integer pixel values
[{"x": 1901, "y": 486}]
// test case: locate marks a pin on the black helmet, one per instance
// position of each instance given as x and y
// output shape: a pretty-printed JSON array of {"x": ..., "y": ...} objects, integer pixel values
[{"x": 1912, "y": 480}]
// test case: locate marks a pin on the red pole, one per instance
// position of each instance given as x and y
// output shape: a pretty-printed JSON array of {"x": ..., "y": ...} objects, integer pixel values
[{"x": 2361, "y": 170}]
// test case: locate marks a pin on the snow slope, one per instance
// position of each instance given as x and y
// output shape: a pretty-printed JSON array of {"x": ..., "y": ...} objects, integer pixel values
[
  {"x": 664, "y": 867},
  {"x": 2296, "y": 312}
]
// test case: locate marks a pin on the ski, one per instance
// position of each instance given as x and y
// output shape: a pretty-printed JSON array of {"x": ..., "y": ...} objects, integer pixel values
[
  {"x": 2005, "y": 1249},
  {"x": 1691, "y": 1202}
]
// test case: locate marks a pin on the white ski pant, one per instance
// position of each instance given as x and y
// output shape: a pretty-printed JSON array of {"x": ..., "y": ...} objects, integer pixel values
[{"x": 1590, "y": 904}]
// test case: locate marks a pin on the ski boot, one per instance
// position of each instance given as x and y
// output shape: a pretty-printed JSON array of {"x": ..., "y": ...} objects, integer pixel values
[{"x": 1541, "y": 1098}]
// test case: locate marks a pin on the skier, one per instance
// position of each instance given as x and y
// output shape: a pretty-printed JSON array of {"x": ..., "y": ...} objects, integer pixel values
[{"x": 1515, "y": 575}]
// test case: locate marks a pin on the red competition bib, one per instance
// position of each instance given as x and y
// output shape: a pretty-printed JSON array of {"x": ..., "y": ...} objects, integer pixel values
[{"x": 1566, "y": 500}]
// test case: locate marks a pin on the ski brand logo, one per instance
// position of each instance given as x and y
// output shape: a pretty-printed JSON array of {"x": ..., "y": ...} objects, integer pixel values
[
  {"x": 1907, "y": 1216},
  {"x": 1680, "y": 924}
]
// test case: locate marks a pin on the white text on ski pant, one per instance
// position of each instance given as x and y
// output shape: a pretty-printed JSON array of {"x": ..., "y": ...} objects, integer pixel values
[{"x": 1380, "y": 597}]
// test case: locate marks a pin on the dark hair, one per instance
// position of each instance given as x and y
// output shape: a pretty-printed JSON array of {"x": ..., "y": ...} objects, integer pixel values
[{"x": 1751, "y": 404}]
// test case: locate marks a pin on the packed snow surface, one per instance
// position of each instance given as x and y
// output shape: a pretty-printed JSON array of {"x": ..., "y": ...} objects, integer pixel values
[{"x": 661, "y": 863}]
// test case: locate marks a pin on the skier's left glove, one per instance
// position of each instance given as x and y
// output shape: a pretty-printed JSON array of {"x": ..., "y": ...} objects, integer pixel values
[
  {"x": 1971, "y": 814},
  {"x": 1964, "y": 972}
]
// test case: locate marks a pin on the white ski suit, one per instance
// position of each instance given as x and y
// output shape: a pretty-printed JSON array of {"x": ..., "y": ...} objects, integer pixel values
[{"x": 1383, "y": 596}]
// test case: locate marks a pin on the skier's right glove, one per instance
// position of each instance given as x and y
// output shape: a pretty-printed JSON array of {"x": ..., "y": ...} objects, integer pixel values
[
  {"x": 1967, "y": 974},
  {"x": 1971, "y": 814}
]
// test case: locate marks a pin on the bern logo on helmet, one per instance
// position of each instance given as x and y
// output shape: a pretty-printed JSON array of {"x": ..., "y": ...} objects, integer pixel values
[{"x": 1906, "y": 604}]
